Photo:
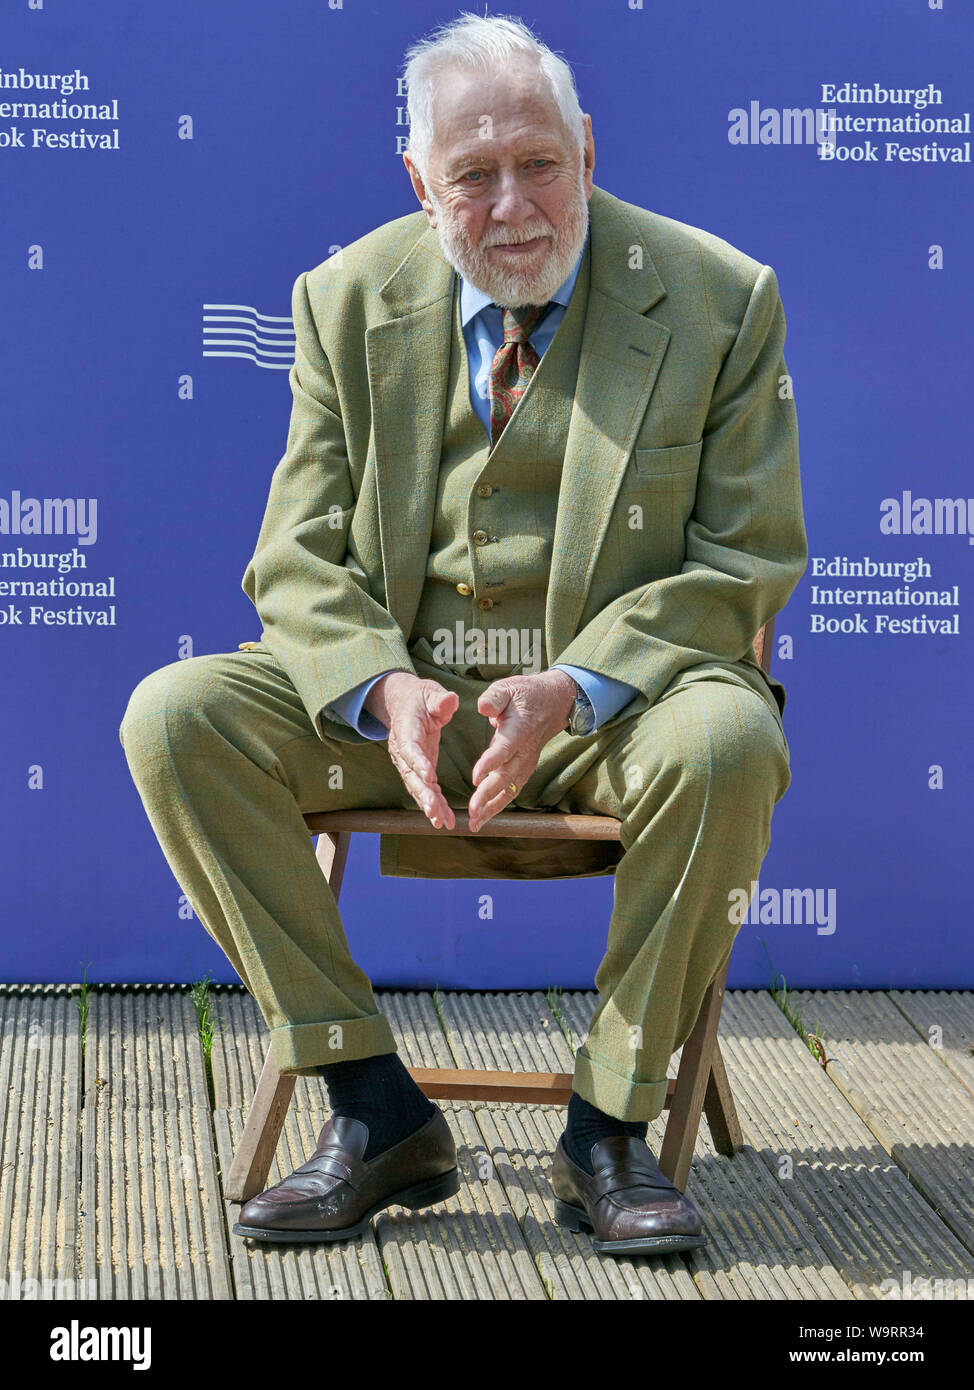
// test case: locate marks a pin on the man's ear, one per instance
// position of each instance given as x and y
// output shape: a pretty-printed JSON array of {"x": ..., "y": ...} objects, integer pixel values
[
  {"x": 419, "y": 188},
  {"x": 588, "y": 158}
]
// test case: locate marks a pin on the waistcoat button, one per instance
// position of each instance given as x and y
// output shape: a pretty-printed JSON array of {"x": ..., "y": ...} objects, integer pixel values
[
  {"x": 480, "y": 537},
  {"x": 464, "y": 589}
]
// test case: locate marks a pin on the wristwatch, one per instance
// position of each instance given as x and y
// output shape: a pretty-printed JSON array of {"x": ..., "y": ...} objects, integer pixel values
[{"x": 581, "y": 719}]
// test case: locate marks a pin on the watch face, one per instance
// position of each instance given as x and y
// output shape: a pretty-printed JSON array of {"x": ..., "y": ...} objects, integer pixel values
[{"x": 583, "y": 717}]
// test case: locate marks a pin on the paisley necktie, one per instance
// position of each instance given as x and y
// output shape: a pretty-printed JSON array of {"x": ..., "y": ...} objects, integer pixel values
[{"x": 513, "y": 365}]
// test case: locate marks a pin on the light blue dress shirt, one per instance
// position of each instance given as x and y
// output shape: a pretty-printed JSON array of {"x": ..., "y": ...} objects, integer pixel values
[{"x": 483, "y": 333}]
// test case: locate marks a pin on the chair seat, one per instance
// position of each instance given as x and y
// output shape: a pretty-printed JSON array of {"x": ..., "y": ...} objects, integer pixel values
[{"x": 539, "y": 825}]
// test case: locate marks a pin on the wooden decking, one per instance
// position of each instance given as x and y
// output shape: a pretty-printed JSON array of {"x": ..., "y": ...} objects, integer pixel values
[{"x": 856, "y": 1183}]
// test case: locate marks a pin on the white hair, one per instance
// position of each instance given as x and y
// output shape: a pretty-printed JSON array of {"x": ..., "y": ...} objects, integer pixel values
[{"x": 486, "y": 43}]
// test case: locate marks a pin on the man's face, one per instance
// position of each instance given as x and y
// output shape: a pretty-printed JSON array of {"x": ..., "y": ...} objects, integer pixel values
[{"x": 505, "y": 187}]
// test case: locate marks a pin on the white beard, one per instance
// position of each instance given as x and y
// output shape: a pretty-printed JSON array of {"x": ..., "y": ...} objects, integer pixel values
[{"x": 510, "y": 286}]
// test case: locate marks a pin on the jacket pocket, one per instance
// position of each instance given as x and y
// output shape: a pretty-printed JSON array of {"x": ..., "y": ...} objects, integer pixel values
[{"x": 665, "y": 463}]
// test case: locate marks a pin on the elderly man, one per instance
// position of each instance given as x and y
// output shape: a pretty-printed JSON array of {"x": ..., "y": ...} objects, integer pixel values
[{"x": 540, "y": 492}]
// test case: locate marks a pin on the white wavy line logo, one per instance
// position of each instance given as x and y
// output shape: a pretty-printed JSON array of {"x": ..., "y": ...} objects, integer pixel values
[{"x": 240, "y": 330}]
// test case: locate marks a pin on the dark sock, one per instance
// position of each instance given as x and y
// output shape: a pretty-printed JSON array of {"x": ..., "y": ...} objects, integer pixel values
[
  {"x": 586, "y": 1126},
  {"x": 380, "y": 1092}
]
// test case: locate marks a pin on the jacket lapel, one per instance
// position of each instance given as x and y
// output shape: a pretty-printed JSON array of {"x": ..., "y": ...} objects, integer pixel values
[
  {"x": 408, "y": 359},
  {"x": 408, "y": 363},
  {"x": 621, "y": 355}
]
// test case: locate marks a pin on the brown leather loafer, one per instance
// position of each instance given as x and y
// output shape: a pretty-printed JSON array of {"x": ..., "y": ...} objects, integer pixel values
[
  {"x": 334, "y": 1195},
  {"x": 628, "y": 1204}
]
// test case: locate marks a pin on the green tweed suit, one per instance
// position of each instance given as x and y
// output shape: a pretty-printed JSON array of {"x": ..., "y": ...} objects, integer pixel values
[{"x": 652, "y": 464}]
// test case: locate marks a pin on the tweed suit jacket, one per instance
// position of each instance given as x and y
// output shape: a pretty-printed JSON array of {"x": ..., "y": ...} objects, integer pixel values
[{"x": 682, "y": 410}]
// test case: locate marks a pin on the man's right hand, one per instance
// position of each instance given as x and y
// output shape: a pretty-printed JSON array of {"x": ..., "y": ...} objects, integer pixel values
[{"x": 414, "y": 709}]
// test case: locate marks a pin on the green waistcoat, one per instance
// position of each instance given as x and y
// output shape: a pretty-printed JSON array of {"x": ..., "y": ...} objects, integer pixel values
[{"x": 494, "y": 521}]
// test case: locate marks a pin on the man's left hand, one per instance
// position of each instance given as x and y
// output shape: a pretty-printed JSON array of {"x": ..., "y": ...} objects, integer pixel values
[{"x": 526, "y": 713}]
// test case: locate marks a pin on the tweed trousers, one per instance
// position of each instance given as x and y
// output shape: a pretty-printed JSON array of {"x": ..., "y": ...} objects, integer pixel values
[{"x": 226, "y": 760}]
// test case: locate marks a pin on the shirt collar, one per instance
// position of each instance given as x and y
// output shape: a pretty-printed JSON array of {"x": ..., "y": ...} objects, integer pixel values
[{"x": 472, "y": 300}]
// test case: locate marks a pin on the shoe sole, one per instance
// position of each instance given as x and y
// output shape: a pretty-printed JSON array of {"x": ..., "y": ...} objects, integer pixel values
[
  {"x": 424, "y": 1194},
  {"x": 576, "y": 1219}
]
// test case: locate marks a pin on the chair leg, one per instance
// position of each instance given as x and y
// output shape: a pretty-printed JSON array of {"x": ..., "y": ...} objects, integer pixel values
[
  {"x": 719, "y": 1107},
  {"x": 332, "y": 852},
  {"x": 269, "y": 1107},
  {"x": 686, "y": 1106},
  {"x": 255, "y": 1152}
]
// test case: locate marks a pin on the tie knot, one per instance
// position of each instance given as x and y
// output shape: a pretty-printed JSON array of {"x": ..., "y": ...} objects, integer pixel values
[{"x": 519, "y": 322}]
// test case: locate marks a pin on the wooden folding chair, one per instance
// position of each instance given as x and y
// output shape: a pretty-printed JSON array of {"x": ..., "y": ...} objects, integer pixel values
[{"x": 701, "y": 1084}]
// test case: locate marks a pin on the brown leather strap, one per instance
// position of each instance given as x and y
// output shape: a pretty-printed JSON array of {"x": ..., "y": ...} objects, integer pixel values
[
  {"x": 333, "y": 1165},
  {"x": 608, "y": 1180}
]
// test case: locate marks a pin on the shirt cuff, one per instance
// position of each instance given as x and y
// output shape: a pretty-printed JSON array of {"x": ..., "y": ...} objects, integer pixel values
[
  {"x": 348, "y": 708},
  {"x": 607, "y": 695}
]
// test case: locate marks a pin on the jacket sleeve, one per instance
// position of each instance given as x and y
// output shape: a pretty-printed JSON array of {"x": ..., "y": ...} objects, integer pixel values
[
  {"x": 605, "y": 695},
  {"x": 745, "y": 541},
  {"x": 351, "y": 709},
  {"x": 327, "y": 632}
]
